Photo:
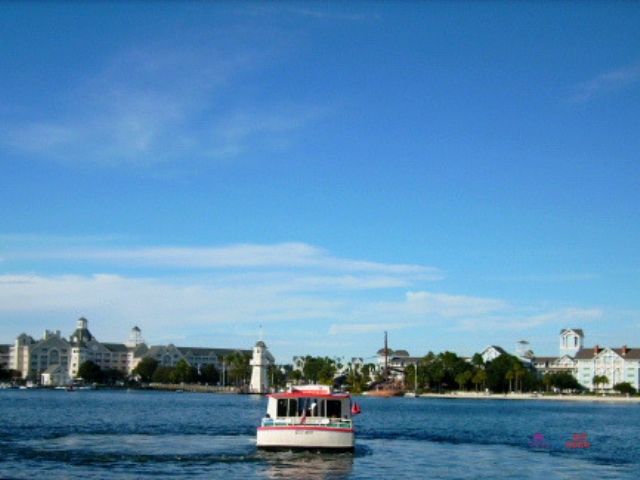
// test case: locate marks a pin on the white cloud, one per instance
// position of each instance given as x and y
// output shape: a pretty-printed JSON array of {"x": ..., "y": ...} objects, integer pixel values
[
  {"x": 257, "y": 256},
  {"x": 156, "y": 106},
  {"x": 606, "y": 82},
  {"x": 445, "y": 305}
]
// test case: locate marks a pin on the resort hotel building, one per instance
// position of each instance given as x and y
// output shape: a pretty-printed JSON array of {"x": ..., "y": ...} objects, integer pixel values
[
  {"x": 618, "y": 365},
  {"x": 55, "y": 360}
]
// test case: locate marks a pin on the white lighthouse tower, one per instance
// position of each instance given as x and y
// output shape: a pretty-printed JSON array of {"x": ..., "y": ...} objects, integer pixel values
[{"x": 260, "y": 362}]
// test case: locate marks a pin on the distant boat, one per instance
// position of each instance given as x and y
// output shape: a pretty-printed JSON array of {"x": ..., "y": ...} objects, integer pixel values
[{"x": 387, "y": 389}]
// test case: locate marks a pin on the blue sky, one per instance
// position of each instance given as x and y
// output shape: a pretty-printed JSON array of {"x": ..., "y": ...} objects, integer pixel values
[{"x": 459, "y": 174}]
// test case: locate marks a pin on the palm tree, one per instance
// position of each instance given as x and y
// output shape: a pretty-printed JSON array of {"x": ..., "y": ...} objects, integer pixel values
[
  {"x": 509, "y": 376},
  {"x": 463, "y": 378},
  {"x": 518, "y": 371},
  {"x": 479, "y": 378},
  {"x": 600, "y": 380}
]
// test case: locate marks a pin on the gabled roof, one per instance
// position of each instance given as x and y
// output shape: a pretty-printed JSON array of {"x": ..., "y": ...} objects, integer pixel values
[
  {"x": 544, "y": 359},
  {"x": 116, "y": 347},
  {"x": 155, "y": 349},
  {"x": 576, "y": 330},
  {"x": 495, "y": 347},
  {"x": 584, "y": 353},
  {"x": 140, "y": 350},
  {"x": 589, "y": 353},
  {"x": 209, "y": 352}
]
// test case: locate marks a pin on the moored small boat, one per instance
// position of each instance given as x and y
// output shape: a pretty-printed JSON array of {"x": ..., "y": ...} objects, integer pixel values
[{"x": 308, "y": 417}]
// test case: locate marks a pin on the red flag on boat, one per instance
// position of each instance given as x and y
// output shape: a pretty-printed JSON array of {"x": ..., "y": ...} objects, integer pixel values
[{"x": 355, "y": 409}]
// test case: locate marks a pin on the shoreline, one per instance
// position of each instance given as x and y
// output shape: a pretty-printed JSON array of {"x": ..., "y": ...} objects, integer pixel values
[{"x": 531, "y": 396}]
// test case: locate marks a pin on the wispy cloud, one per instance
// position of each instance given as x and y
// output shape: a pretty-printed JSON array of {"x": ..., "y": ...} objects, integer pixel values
[
  {"x": 153, "y": 107},
  {"x": 555, "y": 318},
  {"x": 282, "y": 255},
  {"x": 445, "y": 305},
  {"x": 606, "y": 82}
]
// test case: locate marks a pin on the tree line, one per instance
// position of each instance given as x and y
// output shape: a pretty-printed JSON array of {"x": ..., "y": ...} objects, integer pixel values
[{"x": 236, "y": 372}]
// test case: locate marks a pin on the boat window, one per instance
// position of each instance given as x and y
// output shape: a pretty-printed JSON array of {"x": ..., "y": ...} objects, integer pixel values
[
  {"x": 334, "y": 408},
  {"x": 282, "y": 407},
  {"x": 293, "y": 408}
]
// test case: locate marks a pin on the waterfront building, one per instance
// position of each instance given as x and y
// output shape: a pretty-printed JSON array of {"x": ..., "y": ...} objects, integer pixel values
[
  {"x": 260, "y": 363},
  {"x": 198, "y": 357},
  {"x": 55, "y": 360},
  {"x": 31, "y": 357},
  {"x": 617, "y": 364},
  {"x": 544, "y": 365},
  {"x": 5, "y": 356},
  {"x": 396, "y": 361},
  {"x": 491, "y": 353}
]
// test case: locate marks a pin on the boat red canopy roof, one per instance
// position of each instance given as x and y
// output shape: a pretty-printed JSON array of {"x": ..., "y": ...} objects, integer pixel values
[{"x": 308, "y": 393}]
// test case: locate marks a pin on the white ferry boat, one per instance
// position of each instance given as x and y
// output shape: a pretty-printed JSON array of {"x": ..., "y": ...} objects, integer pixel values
[{"x": 308, "y": 417}]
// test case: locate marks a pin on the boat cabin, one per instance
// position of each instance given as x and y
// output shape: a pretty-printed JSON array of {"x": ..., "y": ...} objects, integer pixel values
[{"x": 310, "y": 404}]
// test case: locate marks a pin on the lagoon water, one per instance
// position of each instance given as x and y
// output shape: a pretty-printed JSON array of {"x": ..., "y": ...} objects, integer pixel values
[{"x": 138, "y": 434}]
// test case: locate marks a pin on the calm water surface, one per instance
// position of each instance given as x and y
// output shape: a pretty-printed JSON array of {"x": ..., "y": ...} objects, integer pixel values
[{"x": 126, "y": 435}]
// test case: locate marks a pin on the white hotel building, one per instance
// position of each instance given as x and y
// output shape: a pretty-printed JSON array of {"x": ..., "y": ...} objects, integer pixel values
[
  {"x": 617, "y": 364},
  {"x": 55, "y": 360}
]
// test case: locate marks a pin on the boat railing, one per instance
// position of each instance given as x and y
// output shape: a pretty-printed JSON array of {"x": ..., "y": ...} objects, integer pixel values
[{"x": 314, "y": 421}]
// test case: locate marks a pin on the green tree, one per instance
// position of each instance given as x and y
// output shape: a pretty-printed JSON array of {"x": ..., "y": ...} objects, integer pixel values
[
  {"x": 462, "y": 379},
  {"x": 479, "y": 378},
  {"x": 509, "y": 376},
  {"x": 90, "y": 372},
  {"x": 296, "y": 376},
  {"x": 209, "y": 374},
  {"x": 518, "y": 373},
  {"x": 625, "y": 388},
  {"x": 561, "y": 381},
  {"x": 355, "y": 379},
  {"x": 239, "y": 368},
  {"x": 183, "y": 372},
  {"x": 112, "y": 376},
  {"x": 410, "y": 377},
  {"x": 477, "y": 360},
  {"x": 162, "y": 374},
  {"x": 600, "y": 380},
  {"x": 319, "y": 370},
  {"x": 145, "y": 368},
  {"x": 498, "y": 379}
]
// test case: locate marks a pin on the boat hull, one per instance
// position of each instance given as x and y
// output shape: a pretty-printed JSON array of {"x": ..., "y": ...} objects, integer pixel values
[{"x": 305, "y": 437}]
